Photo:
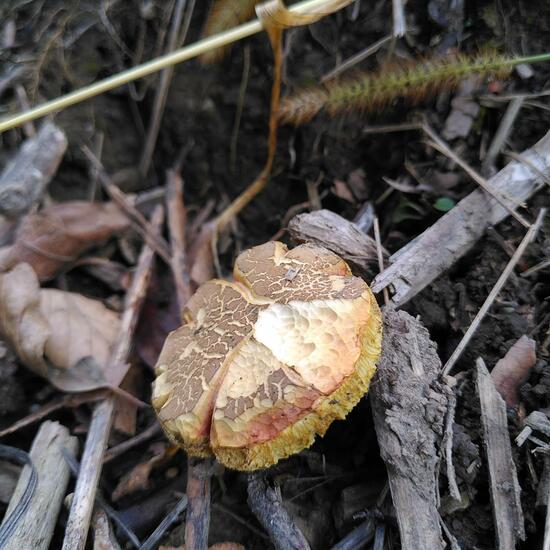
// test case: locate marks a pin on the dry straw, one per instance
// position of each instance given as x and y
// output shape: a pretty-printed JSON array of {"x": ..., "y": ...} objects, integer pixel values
[
  {"x": 413, "y": 81},
  {"x": 183, "y": 54}
]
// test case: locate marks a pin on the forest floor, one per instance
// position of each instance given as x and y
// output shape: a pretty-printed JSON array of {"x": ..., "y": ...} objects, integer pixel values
[{"x": 214, "y": 133}]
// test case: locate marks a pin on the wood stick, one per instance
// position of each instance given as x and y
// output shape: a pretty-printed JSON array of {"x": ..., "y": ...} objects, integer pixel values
[
  {"x": 177, "y": 219},
  {"x": 140, "y": 223},
  {"x": 92, "y": 459},
  {"x": 36, "y": 527},
  {"x": 501, "y": 135},
  {"x": 267, "y": 505},
  {"x": 380, "y": 256},
  {"x": 197, "y": 523},
  {"x": 409, "y": 403},
  {"x": 546, "y": 544},
  {"x": 121, "y": 448},
  {"x": 505, "y": 489},
  {"x": 425, "y": 258},
  {"x": 343, "y": 237},
  {"x": 529, "y": 236},
  {"x": 104, "y": 538},
  {"x": 26, "y": 176},
  {"x": 199, "y": 470},
  {"x": 358, "y": 538}
]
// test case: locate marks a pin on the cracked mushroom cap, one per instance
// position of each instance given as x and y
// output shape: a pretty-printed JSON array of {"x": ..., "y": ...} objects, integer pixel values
[{"x": 265, "y": 363}]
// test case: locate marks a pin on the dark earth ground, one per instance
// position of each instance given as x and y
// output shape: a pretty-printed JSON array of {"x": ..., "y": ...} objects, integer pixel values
[{"x": 66, "y": 45}]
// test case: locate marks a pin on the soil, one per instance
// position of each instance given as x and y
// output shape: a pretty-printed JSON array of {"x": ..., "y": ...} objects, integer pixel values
[{"x": 330, "y": 487}]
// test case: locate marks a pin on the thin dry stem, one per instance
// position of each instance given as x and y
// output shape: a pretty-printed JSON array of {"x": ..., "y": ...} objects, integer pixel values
[
  {"x": 139, "y": 222},
  {"x": 198, "y": 470},
  {"x": 175, "y": 40},
  {"x": 529, "y": 237},
  {"x": 380, "y": 256},
  {"x": 501, "y": 135},
  {"x": 438, "y": 144},
  {"x": 80, "y": 514},
  {"x": 177, "y": 217}
]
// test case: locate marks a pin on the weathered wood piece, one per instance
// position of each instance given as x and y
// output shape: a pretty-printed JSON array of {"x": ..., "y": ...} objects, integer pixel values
[
  {"x": 197, "y": 524},
  {"x": 266, "y": 503},
  {"x": 80, "y": 514},
  {"x": 358, "y": 538},
  {"x": 104, "y": 538},
  {"x": 409, "y": 404},
  {"x": 424, "y": 259},
  {"x": 27, "y": 175},
  {"x": 35, "y": 529},
  {"x": 505, "y": 489},
  {"x": 328, "y": 229}
]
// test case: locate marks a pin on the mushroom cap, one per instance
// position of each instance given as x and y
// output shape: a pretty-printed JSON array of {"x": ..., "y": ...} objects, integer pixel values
[{"x": 265, "y": 363}]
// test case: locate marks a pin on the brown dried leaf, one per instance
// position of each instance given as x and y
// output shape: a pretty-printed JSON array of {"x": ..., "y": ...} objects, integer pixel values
[
  {"x": 61, "y": 336},
  {"x": 341, "y": 190},
  {"x": 137, "y": 479},
  {"x": 514, "y": 368},
  {"x": 52, "y": 239}
]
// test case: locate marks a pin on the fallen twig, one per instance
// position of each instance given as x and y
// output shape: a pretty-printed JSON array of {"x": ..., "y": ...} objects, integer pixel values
[
  {"x": 380, "y": 255},
  {"x": 101, "y": 502},
  {"x": 505, "y": 489},
  {"x": 165, "y": 524},
  {"x": 409, "y": 403},
  {"x": 415, "y": 266},
  {"x": 27, "y": 175},
  {"x": 177, "y": 217},
  {"x": 121, "y": 448},
  {"x": 359, "y": 537},
  {"x": 140, "y": 223},
  {"x": 501, "y": 135},
  {"x": 529, "y": 236},
  {"x": 328, "y": 229},
  {"x": 92, "y": 459},
  {"x": 267, "y": 505},
  {"x": 67, "y": 401},
  {"x": 199, "y": 470},
  {"x": 175, "y": 40},
  {"x": 197, "y": 522},
  {"x": 36, "y": 526}
]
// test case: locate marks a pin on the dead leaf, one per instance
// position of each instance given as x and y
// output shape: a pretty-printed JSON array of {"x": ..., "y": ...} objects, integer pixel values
[
  {"x": 137, "y": 479},
  {"x": 341, "y": 190},
  {"x": 514, "y": 368},
  {"x": 52, "y": 239},
  {"x": 160, "y": 315},
  {"x": 62, "y": 336},
  {"x": 358, "y": 185}
]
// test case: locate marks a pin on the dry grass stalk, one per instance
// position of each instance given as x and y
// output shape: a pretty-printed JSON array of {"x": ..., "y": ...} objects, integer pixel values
[
  {"x": 199, "y": 470},
  {"x": 505, "y": 489},
  {"x": 413, "y": 81},
  {"x": 80, "y": 514},
  {"x": 529, "y": 237}
]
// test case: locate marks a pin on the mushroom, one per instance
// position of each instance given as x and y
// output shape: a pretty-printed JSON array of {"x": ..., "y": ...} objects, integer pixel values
[{"x": 265, "y": 363}]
